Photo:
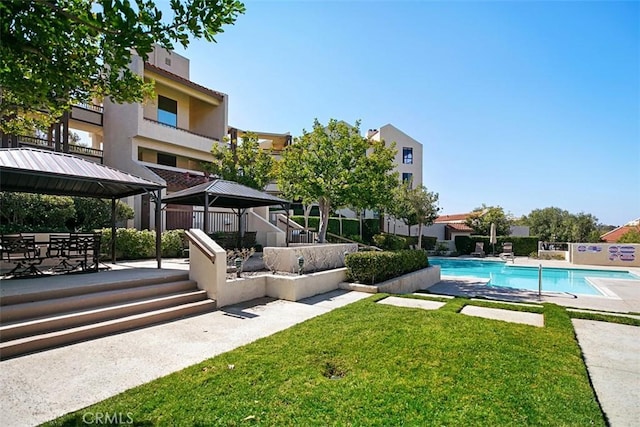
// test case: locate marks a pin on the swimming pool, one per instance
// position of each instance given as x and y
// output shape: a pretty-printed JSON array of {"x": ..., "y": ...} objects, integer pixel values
[{"x": 553, "y": 279}]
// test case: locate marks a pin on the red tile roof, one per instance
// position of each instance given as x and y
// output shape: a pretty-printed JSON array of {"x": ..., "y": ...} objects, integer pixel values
[
  {"x": 453, "y": 218},
  {"x": 614, "y": 235},
  {"x": 186, "y": 82},
  {"x": 457, "y": 226}
]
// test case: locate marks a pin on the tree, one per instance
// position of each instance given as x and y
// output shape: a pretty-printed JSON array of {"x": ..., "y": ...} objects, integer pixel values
[
  {"x": 631, "y": 236},
  {"x": 37, "y": 212},
  {"x": 337, "y": 167},
  {"x": 557, "y": 225},
  {"x": 415, "y": 206},
  {"x": 481, "y": 218},
  {"x": 54, "y": 53},
  {"x": 583, "y": 227},
  {"x": 247, "y": 164}
]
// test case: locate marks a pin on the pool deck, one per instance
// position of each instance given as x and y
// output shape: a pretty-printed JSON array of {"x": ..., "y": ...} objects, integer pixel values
[{"x": 620, "y": 295}]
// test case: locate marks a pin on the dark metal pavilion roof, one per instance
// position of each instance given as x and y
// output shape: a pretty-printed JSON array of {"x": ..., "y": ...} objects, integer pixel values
[
  {"x": 223, "y": 194},
  {"x": 31, "y": 170}
]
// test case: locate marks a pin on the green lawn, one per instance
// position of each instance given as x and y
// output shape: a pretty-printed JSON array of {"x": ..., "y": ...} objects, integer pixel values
[{"x": 372, "y": 364}]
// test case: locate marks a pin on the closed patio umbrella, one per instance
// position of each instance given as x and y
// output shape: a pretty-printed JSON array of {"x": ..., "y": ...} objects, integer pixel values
[{"x": 493, "y": 239}]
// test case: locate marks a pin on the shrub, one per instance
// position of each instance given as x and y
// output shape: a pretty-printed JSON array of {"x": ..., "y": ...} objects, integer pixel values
[
  {"x": 390, "y": 242},
  {"x": 429, "y": 242},
  {"x": 464, "y": 245},
  {"x": 370, "y": 227},
  {"x": 441, "y": 249},
  {"x": 172, "y": 243},
  {"x": 130, "y": 243},
  {"x": 375, "y": 267}
]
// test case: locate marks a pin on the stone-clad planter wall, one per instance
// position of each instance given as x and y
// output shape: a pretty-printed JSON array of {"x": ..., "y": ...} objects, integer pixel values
[
  {"x": 408, "y": 283},
  {"x": 318, "y": 257}
]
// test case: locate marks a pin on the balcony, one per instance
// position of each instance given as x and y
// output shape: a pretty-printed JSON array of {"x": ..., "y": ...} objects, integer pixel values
[
  {"x": 87, "y": 117},
  {"x": 175, "y": 135},
  {"x": 79, "y": 150}
]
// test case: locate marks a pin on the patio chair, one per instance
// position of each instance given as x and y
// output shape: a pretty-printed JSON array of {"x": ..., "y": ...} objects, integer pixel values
[
  {"x": 479, "y": 252},
  {"x": 507, "y": 252}
]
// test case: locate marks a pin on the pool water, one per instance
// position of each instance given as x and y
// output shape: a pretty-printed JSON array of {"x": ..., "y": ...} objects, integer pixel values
[{"x": 553, "y": 279}]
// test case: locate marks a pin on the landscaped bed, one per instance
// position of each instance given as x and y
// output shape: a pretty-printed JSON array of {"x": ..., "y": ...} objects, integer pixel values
[{"x": 372, "y": 364}]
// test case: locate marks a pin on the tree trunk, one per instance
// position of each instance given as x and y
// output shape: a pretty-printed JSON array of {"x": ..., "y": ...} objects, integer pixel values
[
  {"x": 324, "y": 206},
  {"x": 307, "y": 212},
  {"x": 360, "y": 214},
  {"x": 420, "y": 236}
]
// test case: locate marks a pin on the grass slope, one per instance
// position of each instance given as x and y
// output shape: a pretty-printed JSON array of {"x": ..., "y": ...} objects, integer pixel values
[{"x": 371, "y": 364}]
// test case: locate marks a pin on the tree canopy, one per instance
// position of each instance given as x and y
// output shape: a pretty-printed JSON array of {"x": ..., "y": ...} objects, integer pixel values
[
  {"x": 54, "y": 53},
  {"x": 481, "y": 218},
  {"x": 631, "y": 236},
  {"x": 415, "y": 206},
  {"x": 558, "y": 225},
  {"x": 246, "y": 164},
  {"x": 337, "y": 167}
]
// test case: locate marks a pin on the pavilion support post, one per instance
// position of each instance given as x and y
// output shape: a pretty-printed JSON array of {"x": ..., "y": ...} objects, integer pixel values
[
  {"x": 206, "y": 213},
  {"x": 241, "y": 212},
  {"x": 113, "y": 230},
  {"x": 159, "y": 228}
]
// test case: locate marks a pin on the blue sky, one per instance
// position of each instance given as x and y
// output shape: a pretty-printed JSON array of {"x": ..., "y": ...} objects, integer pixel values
[{"x": 524, "y": 105}]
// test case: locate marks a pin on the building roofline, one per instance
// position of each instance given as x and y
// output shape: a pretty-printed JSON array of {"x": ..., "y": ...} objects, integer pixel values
[{"x": 176, "y": 78}]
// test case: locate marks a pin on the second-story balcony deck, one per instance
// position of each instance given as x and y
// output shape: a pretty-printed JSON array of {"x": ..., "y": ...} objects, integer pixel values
[
  {"x": 79, "y": 150},
  {"x": 175, "y": 135}
]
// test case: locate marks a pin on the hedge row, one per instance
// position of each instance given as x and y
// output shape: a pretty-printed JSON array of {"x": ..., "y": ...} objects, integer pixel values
[
  {"x": 350, "y": 226},
  {"x": 375, "y": 267},
  {"x": 522, "y": 246},
  {"x": 392, "y": 242},
  {"x": 140, "y": 244}
]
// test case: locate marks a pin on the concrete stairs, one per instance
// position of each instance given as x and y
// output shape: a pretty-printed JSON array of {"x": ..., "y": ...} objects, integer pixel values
[{"x": 38, "y": 321}]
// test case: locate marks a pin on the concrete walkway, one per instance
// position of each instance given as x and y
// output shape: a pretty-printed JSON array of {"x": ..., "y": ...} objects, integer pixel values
[
  {"x": 612, "y": 355},
  {"x": 42, "y": 386}
]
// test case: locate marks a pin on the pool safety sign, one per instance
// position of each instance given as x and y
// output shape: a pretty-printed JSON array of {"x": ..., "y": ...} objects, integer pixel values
[
  {"x": 623, "y": 253},
  {"x": 606, "y": 254}
]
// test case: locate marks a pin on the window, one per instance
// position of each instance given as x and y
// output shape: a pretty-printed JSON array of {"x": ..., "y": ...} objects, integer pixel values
[
  {"x": 407, "y": 155},
  {"x": 167, "y": 111},
  {"x": 167, "y": 159},
  {"x": 407, "y": 177}
]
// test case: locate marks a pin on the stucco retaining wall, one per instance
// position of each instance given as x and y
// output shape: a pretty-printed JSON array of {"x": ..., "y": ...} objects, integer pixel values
[{"x": 294, "y": 288}]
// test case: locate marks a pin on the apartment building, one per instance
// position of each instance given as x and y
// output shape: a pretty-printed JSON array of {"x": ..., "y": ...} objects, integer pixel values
[
  {"x": 408, "y": 164},
  {"x": 168, "y": 138}
]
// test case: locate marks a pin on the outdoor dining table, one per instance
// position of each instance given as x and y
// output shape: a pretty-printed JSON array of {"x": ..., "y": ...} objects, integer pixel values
[{"x": 71, "y": 252}]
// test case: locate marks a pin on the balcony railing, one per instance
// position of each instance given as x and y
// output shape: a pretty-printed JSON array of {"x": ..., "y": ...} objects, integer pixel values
[
  {"x": 182, "y": 129},
  {"x": 92, "y": 107},
  {"x": 49, "y": 145}
]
